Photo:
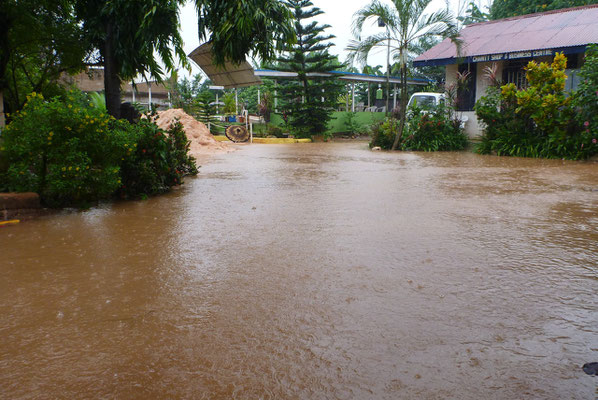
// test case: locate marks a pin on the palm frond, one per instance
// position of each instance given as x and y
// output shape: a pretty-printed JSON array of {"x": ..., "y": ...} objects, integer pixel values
[
  {"x": 375, "y": 10},
  {"x": 359, "y": 50}
]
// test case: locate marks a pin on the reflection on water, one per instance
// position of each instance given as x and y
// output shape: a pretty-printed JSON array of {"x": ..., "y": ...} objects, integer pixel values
[{"x": 314, "y": 271}]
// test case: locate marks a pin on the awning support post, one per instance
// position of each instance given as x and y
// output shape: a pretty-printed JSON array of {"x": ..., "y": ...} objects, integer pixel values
[{"x": 353, "y": 97}]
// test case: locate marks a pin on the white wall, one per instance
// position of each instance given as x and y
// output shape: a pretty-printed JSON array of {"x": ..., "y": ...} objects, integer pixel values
[{"x": 472, "y": 127}]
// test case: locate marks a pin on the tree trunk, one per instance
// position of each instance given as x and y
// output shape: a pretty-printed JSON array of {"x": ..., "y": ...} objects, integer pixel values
[
  {"x": 402, "y": 107},
  {"x": 111, "y": 78}
]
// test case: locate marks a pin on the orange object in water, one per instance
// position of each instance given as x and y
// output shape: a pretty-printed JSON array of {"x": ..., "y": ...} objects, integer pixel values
[{"x": 9, "y": 222}]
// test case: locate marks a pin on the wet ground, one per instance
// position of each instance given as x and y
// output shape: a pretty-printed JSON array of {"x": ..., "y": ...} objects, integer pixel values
[{"x": 315, "y": 271}]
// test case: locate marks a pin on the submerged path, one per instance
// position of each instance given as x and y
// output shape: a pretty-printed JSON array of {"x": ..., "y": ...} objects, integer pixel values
[{"x": 316, "y": 271}]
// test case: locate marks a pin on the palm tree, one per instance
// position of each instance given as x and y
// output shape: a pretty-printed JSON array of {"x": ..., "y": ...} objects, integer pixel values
[{"x": 405, "y": 24}]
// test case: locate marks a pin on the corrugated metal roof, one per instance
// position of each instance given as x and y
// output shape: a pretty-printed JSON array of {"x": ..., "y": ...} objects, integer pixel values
[
  {"x": 552, "y": 30},
  {"x": 229, "y": 76}
]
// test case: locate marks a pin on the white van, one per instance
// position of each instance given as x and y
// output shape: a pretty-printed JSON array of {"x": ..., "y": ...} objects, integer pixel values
[{"x": 426, "y": 99}]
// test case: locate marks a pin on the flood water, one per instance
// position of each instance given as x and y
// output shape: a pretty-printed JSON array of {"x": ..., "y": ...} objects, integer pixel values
[{"x": 313, "y": 271}]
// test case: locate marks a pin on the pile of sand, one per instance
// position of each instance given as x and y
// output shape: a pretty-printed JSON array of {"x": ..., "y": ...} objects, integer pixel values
[{"x": 202, "y": 141}]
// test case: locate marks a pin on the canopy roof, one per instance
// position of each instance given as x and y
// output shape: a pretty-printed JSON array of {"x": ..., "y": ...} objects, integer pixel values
[
  {"x": 229, "y": 76},
  {"x": 533, "y": 35},
  {"x": 343, "y": 76}
]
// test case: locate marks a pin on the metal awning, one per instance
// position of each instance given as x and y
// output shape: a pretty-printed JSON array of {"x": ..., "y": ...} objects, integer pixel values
[
  {"x": 229, "y": 76},
  {"x": 343, "y": 76}
]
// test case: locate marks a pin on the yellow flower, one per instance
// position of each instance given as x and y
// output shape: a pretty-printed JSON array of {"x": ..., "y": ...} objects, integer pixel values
[
  {"x": 77, "y": 169},
  {"x": 70, "y": 168},
  {"x": 64, "y": 168},
  {"x": 70, "y": 106},
  {"x": 51, "y": 133},
  {"x": 135, "y": 145},
  {"x": 126, "y": 145}
]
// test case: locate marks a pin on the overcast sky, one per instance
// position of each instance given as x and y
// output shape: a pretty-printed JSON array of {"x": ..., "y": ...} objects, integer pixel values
[{"x": 337, "y": 13}]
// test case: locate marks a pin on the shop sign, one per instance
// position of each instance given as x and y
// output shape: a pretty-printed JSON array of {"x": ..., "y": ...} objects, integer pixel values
[{"x": 511, "y": 56}]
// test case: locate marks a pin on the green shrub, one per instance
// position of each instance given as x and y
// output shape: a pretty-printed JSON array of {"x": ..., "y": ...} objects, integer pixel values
[
  {"x": 505, "y": 132},
  {"x": 433, "y": 130},
  {"x": 351, "y": 124},
  {"x": 586, "y": 102},
  {"x": 541, "y": 120},
  {"x": 273, "y": 130},
  {"x": 74, "y": 154},
  {"x": 68, "y": 152},
  {"x": 158, "y": 161},
  {"x": 383, "y": 133}
]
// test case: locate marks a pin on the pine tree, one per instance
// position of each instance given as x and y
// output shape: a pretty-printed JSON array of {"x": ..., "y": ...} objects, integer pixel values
[
  {"x": 309, "y": 99},
  {"x": 205, "y": 110}
]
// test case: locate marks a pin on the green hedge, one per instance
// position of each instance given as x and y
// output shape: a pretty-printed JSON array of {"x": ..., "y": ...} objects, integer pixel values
[{"x": 339, "y": 121}]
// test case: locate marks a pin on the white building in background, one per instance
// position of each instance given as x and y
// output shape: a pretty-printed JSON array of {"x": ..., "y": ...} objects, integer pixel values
[{"x": 144, "y": 93}]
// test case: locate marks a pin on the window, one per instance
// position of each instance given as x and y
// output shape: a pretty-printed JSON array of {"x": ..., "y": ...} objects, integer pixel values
[
  {"x": 466, "y": 81},
  {"x": 514, "y": 72},
  {"x": 423, "y": 101}
]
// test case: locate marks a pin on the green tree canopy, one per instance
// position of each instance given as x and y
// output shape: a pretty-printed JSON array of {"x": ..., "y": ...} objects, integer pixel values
[
  {"x": 39, "y": 40},
  {"x": 127, "y": 35},
  {"x": 511, "y": 8},
  {"x": 237, "y": 28}
]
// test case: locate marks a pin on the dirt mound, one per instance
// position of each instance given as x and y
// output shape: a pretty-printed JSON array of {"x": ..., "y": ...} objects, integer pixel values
[{"x": 202, "y": 141}]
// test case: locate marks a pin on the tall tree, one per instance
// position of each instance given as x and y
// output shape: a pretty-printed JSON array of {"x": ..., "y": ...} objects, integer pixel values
[
  {"x": 405, "y": 23},
  {"x": 310, "y": 99},
  {"x": 127, "y": 35},
  {"x": 510, "y": 8},
  {"x": 39, "y": 40},
  {"x": 473, "y": 15},
  {"x": 236, "y": 28}
]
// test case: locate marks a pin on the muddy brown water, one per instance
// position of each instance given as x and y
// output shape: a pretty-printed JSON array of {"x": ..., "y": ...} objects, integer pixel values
[{"x": 317, "y": 271}]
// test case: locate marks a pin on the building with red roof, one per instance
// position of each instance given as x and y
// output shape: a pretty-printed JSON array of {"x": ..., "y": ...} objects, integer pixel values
[{"x": 509, "y": 44}]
